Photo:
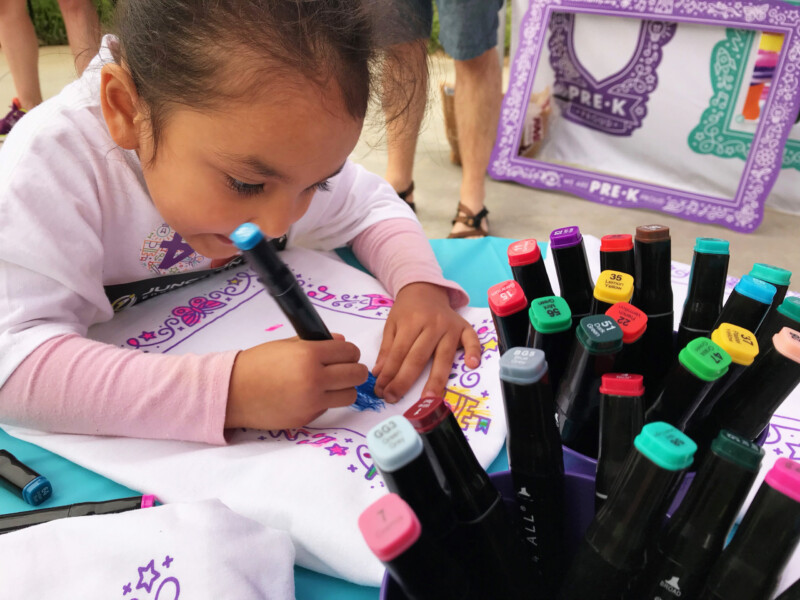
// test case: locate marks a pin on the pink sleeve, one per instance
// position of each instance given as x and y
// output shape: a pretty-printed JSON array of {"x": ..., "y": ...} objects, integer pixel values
[
  {"x": 397, "y": 252},
  {"x": 71, "y": 384}
]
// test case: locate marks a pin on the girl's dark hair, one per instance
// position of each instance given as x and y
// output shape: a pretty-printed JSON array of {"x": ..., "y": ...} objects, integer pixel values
[{"x": 178, "y": 52}]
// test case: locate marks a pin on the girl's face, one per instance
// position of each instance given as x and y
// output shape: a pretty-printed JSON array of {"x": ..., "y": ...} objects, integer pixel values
[{"x": 259, "y": 160}]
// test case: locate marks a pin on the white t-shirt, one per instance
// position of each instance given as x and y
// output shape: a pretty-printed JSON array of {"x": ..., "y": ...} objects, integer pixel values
[{"x": 78, "y": 229}]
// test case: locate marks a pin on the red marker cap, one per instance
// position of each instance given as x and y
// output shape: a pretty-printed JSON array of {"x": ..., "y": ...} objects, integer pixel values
[
  {"x": 618, "y": 242},
  {"x": 524, "y": 252},
  {"x": 622, "y": 384},
  {"x": 427, "y": 413},
  {"x": 507, "y": 298},
  {"x": 389, "y": 527},
  {"x": 631, "y": 320}
]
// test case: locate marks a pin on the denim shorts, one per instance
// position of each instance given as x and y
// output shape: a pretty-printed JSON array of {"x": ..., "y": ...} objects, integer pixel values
[{"x": 468, "y": 28}]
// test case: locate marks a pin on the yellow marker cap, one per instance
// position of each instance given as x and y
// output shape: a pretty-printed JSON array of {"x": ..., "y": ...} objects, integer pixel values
[
  {"x": 737, "y": 341},
  {"x": 613, "y": 287}
]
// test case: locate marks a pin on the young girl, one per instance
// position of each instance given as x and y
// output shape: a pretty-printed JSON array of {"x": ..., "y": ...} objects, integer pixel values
[{"x": 198, "y": 117}]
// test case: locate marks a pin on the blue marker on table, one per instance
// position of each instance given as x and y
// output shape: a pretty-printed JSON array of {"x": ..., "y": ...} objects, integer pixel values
[{"x": 23, "y": 480}]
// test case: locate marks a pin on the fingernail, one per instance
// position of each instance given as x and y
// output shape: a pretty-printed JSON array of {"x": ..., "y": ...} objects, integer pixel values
[
  {"x": 473, "y": 362},
  {"x": 390, "y": 398}
]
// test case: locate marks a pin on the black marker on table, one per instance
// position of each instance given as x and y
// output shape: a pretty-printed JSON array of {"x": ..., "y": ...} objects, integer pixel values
[
  {"x": 748, "y": 304},
  {"x": 572, "y": 268},
  {"x": 527, "y": 265},
  {"x": 616, "y": 253},
  {"x": 22, "y": 480},
  {"x": 509, "y": 309},
  {"x": 551, "y": 332}
]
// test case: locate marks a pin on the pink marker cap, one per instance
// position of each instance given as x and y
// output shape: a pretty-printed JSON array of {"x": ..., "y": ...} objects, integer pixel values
[
  {"x": 148, "y": 501},
  {"x": 507, "y": 298},
  {"x": 523, "y": 252},
  {"x": 787, "y": 342},
  {"x": 784, "y": 477},
  {"x": 389, "y": 527}
]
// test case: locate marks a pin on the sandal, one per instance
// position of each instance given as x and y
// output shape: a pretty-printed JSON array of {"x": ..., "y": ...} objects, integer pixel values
[
  {"x": 471, "y": 220},
  {"x": 405, "y": 194}
]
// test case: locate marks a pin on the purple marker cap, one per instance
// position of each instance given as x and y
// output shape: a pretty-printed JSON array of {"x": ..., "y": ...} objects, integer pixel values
[{"x": 565, "y": 237}]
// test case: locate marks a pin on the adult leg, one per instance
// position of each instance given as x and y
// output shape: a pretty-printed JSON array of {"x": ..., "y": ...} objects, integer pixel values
[
  {"x": 21, "y": 48},
  {"x": 83, "y": 30}
]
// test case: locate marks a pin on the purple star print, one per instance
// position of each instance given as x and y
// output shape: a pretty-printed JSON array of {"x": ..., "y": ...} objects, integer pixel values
[{"x": 154, "y": 575}]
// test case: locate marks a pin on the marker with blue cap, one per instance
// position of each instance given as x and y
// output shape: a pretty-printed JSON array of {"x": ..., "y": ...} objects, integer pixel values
[
  {"x": 22, "y": 480},
  {"x": 748, "y": 304},
  {"x": 780, "y": 278}
]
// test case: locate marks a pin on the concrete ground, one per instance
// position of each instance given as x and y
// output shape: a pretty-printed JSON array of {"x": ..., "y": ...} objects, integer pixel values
[{"x": 516, "y": 211}]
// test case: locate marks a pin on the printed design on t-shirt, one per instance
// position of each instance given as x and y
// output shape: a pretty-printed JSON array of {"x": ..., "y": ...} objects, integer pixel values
[
  {"x": 154, "y": 581},
  {"x": 783, "y": 439},
  {"x": 165, "y": 253}
]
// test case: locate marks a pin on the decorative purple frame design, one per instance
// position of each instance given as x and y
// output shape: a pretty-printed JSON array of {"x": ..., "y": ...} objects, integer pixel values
[{"x": 746, "y": 210}]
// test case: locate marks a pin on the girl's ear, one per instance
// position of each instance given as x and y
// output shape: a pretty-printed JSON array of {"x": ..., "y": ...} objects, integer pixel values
[{"x": 119, "y": 101}]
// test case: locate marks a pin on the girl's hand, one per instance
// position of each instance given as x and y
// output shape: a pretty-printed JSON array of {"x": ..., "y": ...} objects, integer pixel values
[
  {"x": 422, "y": 325},
  {"x": 289, "y": 383}
]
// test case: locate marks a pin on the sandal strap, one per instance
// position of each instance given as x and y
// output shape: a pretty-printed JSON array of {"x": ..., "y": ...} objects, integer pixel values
[
  {"x": 406, "y": 192},
  {"x": 469, "y": 218}
]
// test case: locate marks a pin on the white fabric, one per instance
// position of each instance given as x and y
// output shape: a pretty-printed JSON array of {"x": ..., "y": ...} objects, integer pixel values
[
  {"x": 75, "y": 215},
  {"x": 202, "y": 551},
  {"x": 313, "y": 482}
]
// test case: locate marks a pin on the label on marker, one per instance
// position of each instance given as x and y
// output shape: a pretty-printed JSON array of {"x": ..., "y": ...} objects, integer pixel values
[
  {"x": 737, "y": 341},
  {"x": 613, "y": 287},
  {"x": 507, "y": 298}
]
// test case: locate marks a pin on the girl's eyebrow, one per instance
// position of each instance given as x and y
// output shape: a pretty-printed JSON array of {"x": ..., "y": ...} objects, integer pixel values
[{"x": 254, "y": 164}]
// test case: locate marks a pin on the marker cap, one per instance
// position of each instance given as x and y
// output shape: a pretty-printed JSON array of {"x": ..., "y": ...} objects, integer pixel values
[
  {"x": 427, "y": 413},
  {"x": 616, "y": 242},
  {"x": 737, "y": 450},
  {"x": 246, "y": 236},
  {"x": 652, "y": 233},
  {"x": 522, "y": 366},
  {"x": 507, "y": 298},
  {"x": 148, "y": 501},
  {"x": 523, "y": 252},
  {"x": 389, "y": 527},
  {"x": 393, "y": 443},
  {"x": 784, "y": 476},
  {"x": 738, "y": 342},
  {"x": 705, "y": 359},
  {"x": 565, "y": 237},
  {"x": 622, "y": 384},
  {"x": 666, "y": 446},
  {"x": 631, "y": 320},
  {"x": 758, "y": 290},
  {"x": 771, "y": 274},
  {"x": 706, "y": 245},
  {"x": 599, "y": 334},
  {"x": 787, "y": 342},
  {"x": 790, "y": 307},
  {"x": 37, "y": 491},
  {"x": 550, "y": 314},
  {"x": 613, "y": 287}
]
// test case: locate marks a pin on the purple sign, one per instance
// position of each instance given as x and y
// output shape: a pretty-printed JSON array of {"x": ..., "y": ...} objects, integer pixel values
[
  {"x": 744, "y": 211},
  {"x": 617, "y": 104}
]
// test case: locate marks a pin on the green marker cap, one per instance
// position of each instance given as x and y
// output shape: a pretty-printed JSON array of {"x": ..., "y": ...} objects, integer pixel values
[
  {"x": 550, "y": 314},
  {"x": 711, "y": 246},
  {"x": 666, "y": 446},
  {"x": 599, "y": 334},
  {"x": 790, "y": 307},
  {"x": 705, "y": 359},
  {"x": 737, "y": 450},
  {"x": 771, "y": 274}
]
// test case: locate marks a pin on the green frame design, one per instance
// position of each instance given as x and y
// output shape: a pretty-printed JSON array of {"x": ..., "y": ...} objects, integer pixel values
[{"x": 713, "y": 134}]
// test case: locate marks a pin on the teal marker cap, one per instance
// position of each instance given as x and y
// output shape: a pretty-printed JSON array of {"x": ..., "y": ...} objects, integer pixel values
[
  {"x": 393, "y": 443},
  {"x": 246, "y": 236},
  {"x": 523, "y": 366},
  {"x": 790, "y": 307},
  {"x": 756, "y": 289},
  {"x": 711, "y": 246},
  {"x": 666, "y": 446},
  {"x": 550, "y": 314},
  {"x": 770, "y": 274},
  {"x": 599, "y": 334},
  {"x": 737, "y": 450},
  {"x": 705, "y": 359}
]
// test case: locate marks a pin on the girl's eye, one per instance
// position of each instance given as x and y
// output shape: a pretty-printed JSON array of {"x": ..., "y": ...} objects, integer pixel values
[
  {"x": 242, "y": 188},
  {"x": 323, "y": 186}
]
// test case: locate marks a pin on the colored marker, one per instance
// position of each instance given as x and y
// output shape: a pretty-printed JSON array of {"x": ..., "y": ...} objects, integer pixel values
[
  {"x": 280, "y": 282},
  {"x": 551, "y": 332},
  {"x": 616, "y": 253},
  {"x": 748, "y": 304},
  {"x": 621, "y": 420},
  {"x": 419, "y": 566},
  {"x": 706, "y": 289},
  {"x": 786, "y": 315},
  {"x": 692, "y": 376},
  {"x": 572, "y": 268},
  {"x": 693, "y": 538},
  {"x": 598, "y": 340},
  {"x": 611, "y": 287},
  {"x": 653, "y": 295},
  {"x": 527, "y": 265},
  {"x": 633, "y": 323},
  {"x": 535, "y": 459},
  {"x": 780, "y": 278},
  {"x": 22, "y": 480},
  {"x": 750, "y": 566},
  {"x": 613, "y": 553},
  {"x": 20, "y": 520},
  {"x": 509, "y": 309}
]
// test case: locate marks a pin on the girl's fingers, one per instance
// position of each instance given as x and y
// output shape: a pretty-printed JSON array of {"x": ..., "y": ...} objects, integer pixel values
[
  {"x": 401, "y": 345},
  {"x": 442, "y": 365},
  {"x": 336, "y": 352},
  {"x": 344, "y": 376},
  {"x": 339, "y": 398},
  {"x": 389, "y": 332},
  {"x": 413, "y": 363},
  {"x": 473, "y": 349}
]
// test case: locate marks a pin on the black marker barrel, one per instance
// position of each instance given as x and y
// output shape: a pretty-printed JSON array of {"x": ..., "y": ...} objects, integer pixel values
[
  {"x": 598, "y": 340},
  {"x": 613, "y": 553},
  {"x": 22, "y": 480},
  {"x": 572, "y": 269},
  {"x": 706, "y": 289},
  {"x": 509, "y": 309},
  {"x": 633, "y": 323},
  {"x": 786, "y": 315},
  {"x": 748, "y": 304},
  {"x": 780, "y": 278},
  {"x": 750, "y": 566},
  {"x": 693, "y": 538},
  {"x": 535, "y": 459},
  {"x": 621, "y": 420},
  {"x": 699, "y": 365},
  {"x": 616, "y": 253},
  {"x": 611, "y": 287},
  {"x": 551, "y": 332},
  {"x": 527, "y": 266}
]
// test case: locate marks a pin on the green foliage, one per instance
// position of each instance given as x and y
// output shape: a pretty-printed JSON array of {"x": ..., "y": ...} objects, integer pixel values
[{"x": 50, "y": 26}]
